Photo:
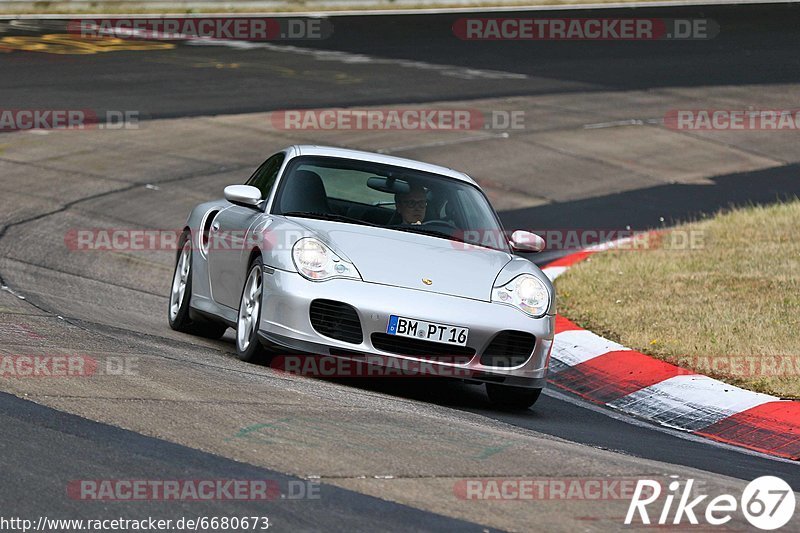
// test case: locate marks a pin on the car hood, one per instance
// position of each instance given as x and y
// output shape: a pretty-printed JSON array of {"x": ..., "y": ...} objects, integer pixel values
[{"x": 405, "y": 259}]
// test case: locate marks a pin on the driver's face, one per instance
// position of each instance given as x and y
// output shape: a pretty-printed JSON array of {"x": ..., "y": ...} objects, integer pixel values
[{"x": 412, "y": 207}]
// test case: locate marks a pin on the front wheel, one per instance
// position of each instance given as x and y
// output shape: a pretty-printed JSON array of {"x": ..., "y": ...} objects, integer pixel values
[
  {"x": 248, "y": 346},
  {"x": 512, "y": 398}
]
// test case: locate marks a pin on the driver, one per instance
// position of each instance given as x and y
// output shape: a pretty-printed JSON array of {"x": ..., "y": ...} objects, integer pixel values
[{"x": 413, "y": 205}]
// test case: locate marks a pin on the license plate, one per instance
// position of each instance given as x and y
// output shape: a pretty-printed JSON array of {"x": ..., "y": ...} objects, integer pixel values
[{"x": 427, "y": 331}]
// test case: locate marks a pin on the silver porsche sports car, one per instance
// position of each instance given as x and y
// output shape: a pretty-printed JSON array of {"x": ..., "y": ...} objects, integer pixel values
[{"x": 347, "y": 254}]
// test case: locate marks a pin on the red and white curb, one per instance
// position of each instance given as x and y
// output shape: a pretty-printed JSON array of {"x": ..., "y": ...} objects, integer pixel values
[{"x": 610, "y": 374}]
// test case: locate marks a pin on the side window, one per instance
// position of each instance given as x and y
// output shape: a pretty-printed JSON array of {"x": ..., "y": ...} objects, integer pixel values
[{"x": 264, "y": 177}]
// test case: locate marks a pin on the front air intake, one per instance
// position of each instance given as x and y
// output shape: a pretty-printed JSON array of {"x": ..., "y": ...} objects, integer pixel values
[
  {"x": 508, "y": 349},
  {"x": 422, "y": 349},
  {"x": 336, "y": 320}
]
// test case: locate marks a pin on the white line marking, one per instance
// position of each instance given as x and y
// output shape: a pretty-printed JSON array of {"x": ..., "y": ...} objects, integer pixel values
[
  {"x": 577, "y": 346},
  {"x": 476, "y": 138},
  {"x": 648, "y": 424},
  {"x": 614, "y": 124},
  {"x": 689, "y": 402},
  {"x": 351, "y": 58},
  {"x": 553, "y": 272}
]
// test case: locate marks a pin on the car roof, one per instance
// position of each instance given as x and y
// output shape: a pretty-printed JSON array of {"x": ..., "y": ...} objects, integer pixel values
[{"x": 346, "y": 153}]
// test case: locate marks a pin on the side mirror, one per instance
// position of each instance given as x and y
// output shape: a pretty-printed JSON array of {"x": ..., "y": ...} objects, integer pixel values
[
  {"x": 525, "y": 241},
  {"x": 245, "y": 195}
]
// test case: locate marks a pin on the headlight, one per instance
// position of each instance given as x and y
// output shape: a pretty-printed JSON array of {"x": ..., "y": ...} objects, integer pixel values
[
  {"x": 317, "y": 262},
  {"x": 526, "y": 292}
]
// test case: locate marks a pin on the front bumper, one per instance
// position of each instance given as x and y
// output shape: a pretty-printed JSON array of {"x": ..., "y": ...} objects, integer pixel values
[{"x": 285, "y": 322}]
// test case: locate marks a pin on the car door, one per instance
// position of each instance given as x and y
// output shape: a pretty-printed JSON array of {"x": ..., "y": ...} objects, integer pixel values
[{"x": 231, "y": 241}]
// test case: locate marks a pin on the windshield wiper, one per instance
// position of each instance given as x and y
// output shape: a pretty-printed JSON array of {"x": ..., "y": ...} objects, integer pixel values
[
  {"x": 443, "y": 235},
  {"x": 327, "y": 216},
  {"x": 431, "y": 232}
]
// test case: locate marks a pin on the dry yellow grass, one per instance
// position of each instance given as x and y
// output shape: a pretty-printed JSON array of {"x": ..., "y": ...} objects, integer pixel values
[{"x": 727, "y": 307}]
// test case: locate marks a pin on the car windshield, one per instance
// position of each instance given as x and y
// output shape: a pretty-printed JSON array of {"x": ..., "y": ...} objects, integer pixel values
[{"x": 392, "y": 197}]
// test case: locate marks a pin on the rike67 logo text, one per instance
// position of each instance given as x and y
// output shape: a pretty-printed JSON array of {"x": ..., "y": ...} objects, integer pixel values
[{"x": 767, "y": 503}]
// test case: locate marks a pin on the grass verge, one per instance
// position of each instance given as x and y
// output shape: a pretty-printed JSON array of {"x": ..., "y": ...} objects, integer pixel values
[{"x": 727, "y": 305}]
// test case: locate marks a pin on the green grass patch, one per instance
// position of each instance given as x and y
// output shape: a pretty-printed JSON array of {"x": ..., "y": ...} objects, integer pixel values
[{"x": 729, "y": 306}]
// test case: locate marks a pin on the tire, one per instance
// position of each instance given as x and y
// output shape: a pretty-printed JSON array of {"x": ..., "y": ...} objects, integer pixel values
[
  {"x": 181, "y": 295},
  {"x": 248, "y": 345},
  {"x": 512, "y": 398}
]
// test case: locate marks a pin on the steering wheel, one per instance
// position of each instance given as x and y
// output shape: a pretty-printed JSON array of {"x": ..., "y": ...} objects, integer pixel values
[{"x": 439, "y": 222}]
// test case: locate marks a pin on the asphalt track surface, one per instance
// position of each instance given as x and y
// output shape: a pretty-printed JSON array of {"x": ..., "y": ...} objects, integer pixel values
[
  {"x": 759, "y": 45},
  {"x": 62, "y": 447}
]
